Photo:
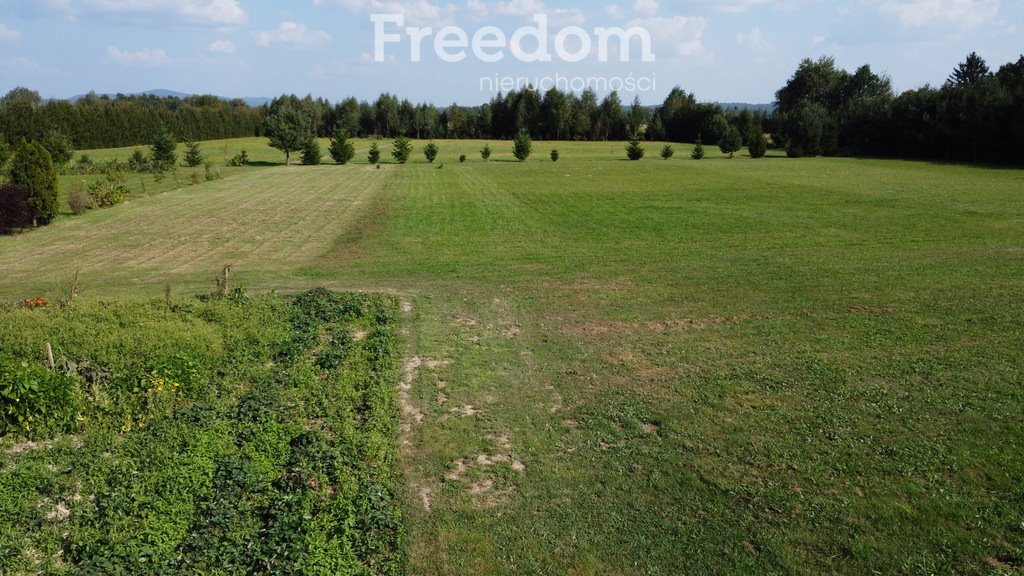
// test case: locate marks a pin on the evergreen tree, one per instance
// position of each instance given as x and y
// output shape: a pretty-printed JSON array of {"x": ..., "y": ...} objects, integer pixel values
[
  {"x": 430, "y": 151},
  {"x": 32, "y": 170},
  {"x": 161, "y": 152},
  {"x": 731, "y": 141},
  {"x": 485, "y": 152},
  {"x": 374, "y": 154},
  {"x": 193, "y": 154},
  {"x": 311, "y": 152},
  {"x": 5, "y": 154},
  {"x": 667, "y": 152},
  {"x": 288, "y": 129},
  {"x": 555, "y": 155},
  {"x": 634, "y": 151},
  {"x": 401, "y": 149},
  {"x": 341, "y": 150},
  {"x": 969, "y": 72},
  {"x": 698, "y": 150},
  {"x": 58, "y": 144},
  {"x": 758, "y": 143},
  {"x": 522, "y": 146}
]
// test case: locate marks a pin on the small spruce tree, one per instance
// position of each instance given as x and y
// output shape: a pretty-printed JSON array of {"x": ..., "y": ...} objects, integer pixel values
[
  {"x": 485, "y": 153},
  {"x": 341, "y": 150},
  {"x": 374, "y": 155},
  {"x": 698, "y": 150},
  {"x": 667, "y": 152},
  {"x": 430, "y": 152},
  {"x": 401, "y": 148},
  {"x": 634, "y": 151},
  {"x": 311, "y": 152},
  {"x": 193, "y": 154},
  {"x": 555, "y": 156},
  {"x": 758, "y": 144},
  {"x": 522, "y": 146},
  {"x": 161, "y": 152}
]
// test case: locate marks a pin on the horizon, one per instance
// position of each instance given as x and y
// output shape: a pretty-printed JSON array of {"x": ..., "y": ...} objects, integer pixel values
[{"x": 732, "y": 51}]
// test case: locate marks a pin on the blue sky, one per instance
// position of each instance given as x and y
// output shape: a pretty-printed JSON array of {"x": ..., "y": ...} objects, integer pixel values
[{"x": 722, "y": 50}]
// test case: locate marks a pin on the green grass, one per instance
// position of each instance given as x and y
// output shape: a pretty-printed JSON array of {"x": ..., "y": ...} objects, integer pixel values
[
  {"x": 729, "y": 366},
  {"x": 223, "y": 436}
]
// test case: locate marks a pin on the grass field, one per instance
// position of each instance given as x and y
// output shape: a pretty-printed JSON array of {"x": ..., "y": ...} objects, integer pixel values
[{"x": 724, "y": 366}]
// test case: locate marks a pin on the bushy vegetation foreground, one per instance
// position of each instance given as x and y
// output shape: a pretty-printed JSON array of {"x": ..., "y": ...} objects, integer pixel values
[{"x": 222, "y": 435}]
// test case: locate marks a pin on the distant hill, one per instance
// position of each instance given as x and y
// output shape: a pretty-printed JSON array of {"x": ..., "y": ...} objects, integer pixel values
[
  {"x": 767, "y": 108},
  {"x": 161, "y": 93}
]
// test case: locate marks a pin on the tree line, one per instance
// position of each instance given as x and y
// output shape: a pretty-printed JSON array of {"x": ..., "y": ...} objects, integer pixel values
[{"x": 977, "y": 114}]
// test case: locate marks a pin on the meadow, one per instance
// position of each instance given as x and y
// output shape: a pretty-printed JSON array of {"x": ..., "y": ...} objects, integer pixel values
[{"x": 610, "y": 367}]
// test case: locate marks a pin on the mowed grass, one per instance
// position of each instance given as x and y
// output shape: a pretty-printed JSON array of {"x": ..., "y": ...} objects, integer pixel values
[{"x": 724, "y": 366}]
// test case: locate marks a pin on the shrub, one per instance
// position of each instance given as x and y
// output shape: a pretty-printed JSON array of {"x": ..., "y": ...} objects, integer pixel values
[
  {"x": 194, "y": 178},
  {"x": 211, "y": 174},
  {"x": 401, "y": 149},
  {"x": 485, "y": 152},
  {"x": 111, "y": 192},
  {"x": 78, "y": 199},
  {"x": 311, "y": 152},
  {"x": 462, "y": 158},
  {"x": 555, "y": 156},
  {"x": 430, "y": 152},
  {"x": 374, "y": 154},
  {"x": 634, "y": 151},
  {"x": 138, "y": 162},
  {"x": 15, "y": 212},
  {"x": 667, "y": 152},
  {"x": 35, "y": 400},
  {"x": 83, "y": 165},
  {"x": 341, "y": 150},
  {"x": 522, "y": 146},
  {"x": 240, "y": 159}
]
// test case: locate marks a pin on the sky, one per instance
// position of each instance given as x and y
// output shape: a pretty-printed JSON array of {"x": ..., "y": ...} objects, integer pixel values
[{"x": 465, "y": 51}]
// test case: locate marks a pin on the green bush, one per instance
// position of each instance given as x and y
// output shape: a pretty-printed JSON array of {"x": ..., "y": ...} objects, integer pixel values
[
  {"x": 374, "y": 154},
  {"x": 555, "y": 156},
  {"x": 311, "y": 154},
  {"x": 34, "y": 400},
  {"x": 485, "y": 152},
  {"x": 32, "y": 170},
  {"x": 634, "y": 151},
  {"x": 78, "y": 199},
  {"x": 430, "y": 152},
  {"x": 667, "y": 152},
  {"x": 109, "y": 192},
  {"x": 240, "y": 159}
]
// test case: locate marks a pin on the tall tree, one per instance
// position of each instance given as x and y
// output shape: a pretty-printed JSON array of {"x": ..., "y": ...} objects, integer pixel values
[
  {"x": 32, "y": 170},
  {"x": 288, "y": 129},
  {"x": 969, "y": 72}
]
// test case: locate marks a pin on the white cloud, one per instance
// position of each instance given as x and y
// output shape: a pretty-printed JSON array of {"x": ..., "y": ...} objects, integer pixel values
[
  {"x": 8, "y": 35},
  {"x": 647, "y": 8},
  {"x": 520, "y": 8},
  {"x": 476, "y": 8},
  {"x": 141, "y": 58},
  {"x": 416, "y": 12},
  {"x": 963, "y": 14},
  {"x": 222, "y": 47},
  {"x": 682, "y": 34},
  {"x": 292, "y": 35},
  {"x": 153, "y": 12},
  {"x": 561, "y": 17},
  {"x": 615, "y": 11},
  {"x": 754, "y": 39}
]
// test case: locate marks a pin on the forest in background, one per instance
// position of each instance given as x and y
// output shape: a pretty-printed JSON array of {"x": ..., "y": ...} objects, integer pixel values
[{"x": 975, "y": 115}]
